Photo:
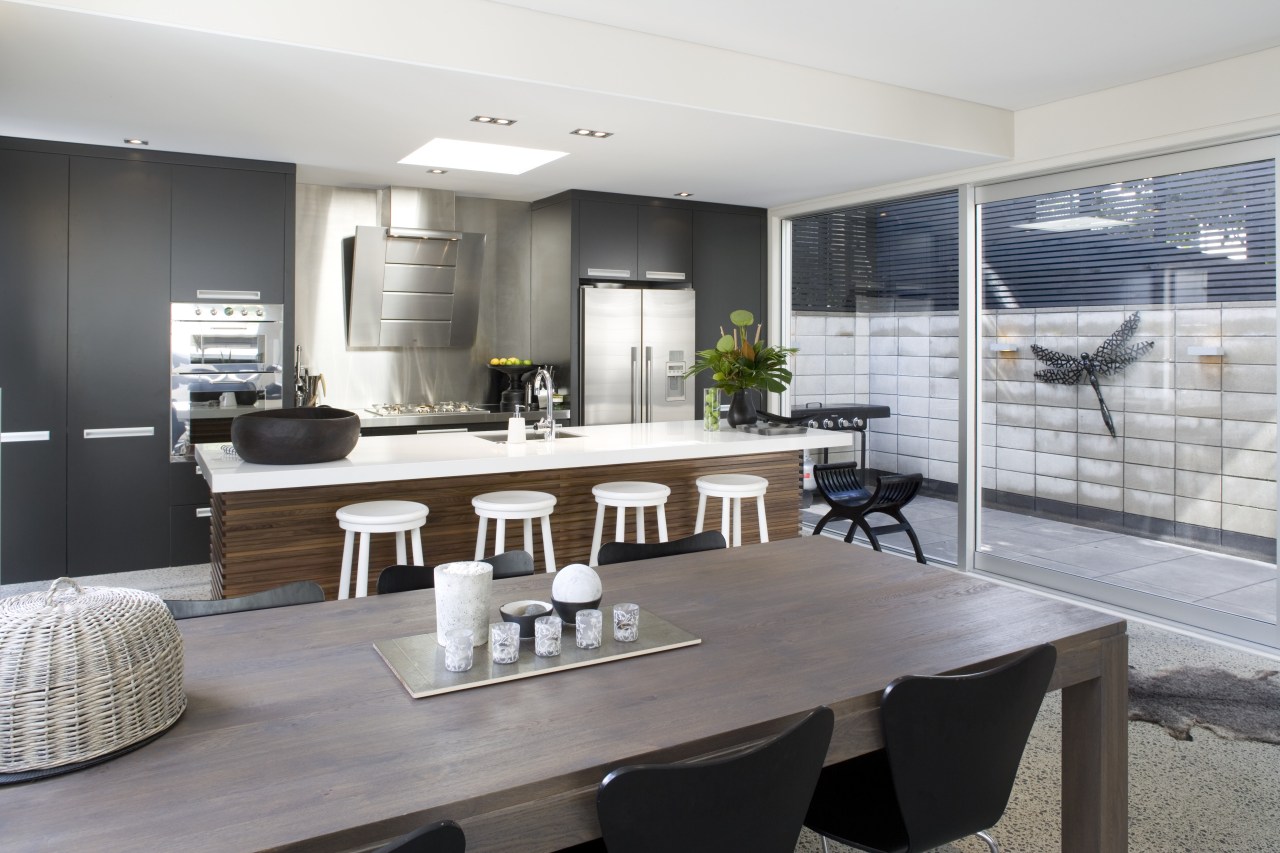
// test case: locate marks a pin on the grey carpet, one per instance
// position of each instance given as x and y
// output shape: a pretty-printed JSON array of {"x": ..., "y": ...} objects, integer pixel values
[{"x": 1222, "y": 702}]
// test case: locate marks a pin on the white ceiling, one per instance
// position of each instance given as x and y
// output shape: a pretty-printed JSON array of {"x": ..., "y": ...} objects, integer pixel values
[{"x": 738, "y": 101}]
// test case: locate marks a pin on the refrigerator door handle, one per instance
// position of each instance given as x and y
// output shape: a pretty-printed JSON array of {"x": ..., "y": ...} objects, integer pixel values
[
  {"x": 635, "y": 386},
  {"x": 648, "y": 384}
]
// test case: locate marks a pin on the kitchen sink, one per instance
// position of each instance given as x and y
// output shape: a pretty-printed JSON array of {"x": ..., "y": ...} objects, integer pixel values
[{"x": 501, "y": 437}]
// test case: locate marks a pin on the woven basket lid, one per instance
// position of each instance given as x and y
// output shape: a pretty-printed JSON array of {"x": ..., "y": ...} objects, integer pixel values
[{"x": 84, "y": 672}]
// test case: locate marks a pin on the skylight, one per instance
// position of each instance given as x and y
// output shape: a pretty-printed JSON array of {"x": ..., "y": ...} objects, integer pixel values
[{"x": 480, "y": 156}]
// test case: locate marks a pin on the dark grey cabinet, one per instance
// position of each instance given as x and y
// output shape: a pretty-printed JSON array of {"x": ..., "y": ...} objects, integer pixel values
[
  {"x": 607, "y": 241},
  {"x": 33, "y": 365},
  {"x": 664, "y": 244},
  {"x": 623, "y": 241},
  {"x": 118, "y": 383},
  {"x": 729, "y": 272},
  {"x": 229, "y": 234}
]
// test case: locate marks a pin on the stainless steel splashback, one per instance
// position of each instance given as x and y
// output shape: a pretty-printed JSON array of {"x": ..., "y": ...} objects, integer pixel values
[{"x": 415, "y": 282}]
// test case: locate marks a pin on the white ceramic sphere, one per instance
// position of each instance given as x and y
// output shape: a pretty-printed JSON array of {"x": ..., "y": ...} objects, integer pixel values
[{"x": 576, "y": 583}]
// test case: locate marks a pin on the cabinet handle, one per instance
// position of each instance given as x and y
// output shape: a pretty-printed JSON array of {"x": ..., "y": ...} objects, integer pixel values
[
  {"x": 658, "y": 275},
  {"x": 597, "y": 273},
  {"x": 204, "y": 512},
  {"x": 120, "y": 432},
  {"x": 40, "y": 435},
  {"x": 233, "y": 295}
]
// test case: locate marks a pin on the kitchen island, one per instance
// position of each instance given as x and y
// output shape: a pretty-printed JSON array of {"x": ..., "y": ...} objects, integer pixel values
[{"x": 272, "y": 524}]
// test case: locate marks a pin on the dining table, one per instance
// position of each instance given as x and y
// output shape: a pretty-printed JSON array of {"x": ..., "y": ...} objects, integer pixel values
[{"x": 298, "y": 736}]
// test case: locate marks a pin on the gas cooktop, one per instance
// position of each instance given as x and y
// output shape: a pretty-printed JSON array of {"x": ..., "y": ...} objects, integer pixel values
[{"x": 394, "y": 409}]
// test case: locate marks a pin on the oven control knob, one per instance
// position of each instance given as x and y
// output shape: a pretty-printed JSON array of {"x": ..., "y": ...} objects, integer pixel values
[
  {"x": 843, "y": 423},
  {"x": 244, "y": 312},
  {"x": 827, "y": 424},
  {"x": 228, "y": 310},
  {"x": 859, "y": 423},
  {"x": 812, "y": 423},
  {"x": 198, "y": 311},
  {"x": 259, "y": 311}
]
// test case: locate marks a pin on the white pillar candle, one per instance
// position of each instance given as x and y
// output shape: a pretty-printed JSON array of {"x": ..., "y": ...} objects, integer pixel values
[{"x": 462, "y": 599}]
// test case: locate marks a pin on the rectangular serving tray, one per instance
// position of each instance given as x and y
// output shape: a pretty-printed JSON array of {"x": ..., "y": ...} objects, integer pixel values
[{"x": 418, "y": 661}]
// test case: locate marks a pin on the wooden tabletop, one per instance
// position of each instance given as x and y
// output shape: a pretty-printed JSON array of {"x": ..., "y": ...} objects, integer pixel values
[{"x": 298, "y": 736}]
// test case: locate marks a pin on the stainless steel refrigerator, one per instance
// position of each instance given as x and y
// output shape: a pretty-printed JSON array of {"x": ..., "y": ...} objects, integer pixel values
[{"x": 636, "y": 345}]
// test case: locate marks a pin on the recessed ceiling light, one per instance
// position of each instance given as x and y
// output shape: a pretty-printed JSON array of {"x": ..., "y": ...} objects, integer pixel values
[
  {"x": 136, "y": 142},
  {"x": 683, "y": 195},
  {"x": 505, "y": 122},
  {"x": 1073, "y": 223},
  {"x": 480, "y": 156},
  {"x": 437, "y": 171},
  {"x": 594, "y": 134}
]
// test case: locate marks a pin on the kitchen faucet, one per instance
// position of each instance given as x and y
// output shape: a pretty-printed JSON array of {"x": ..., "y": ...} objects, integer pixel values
[{"x": 548, "y": 423}]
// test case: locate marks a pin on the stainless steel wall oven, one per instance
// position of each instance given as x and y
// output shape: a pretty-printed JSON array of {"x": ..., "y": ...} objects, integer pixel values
[{"x": 226, "y": 359}]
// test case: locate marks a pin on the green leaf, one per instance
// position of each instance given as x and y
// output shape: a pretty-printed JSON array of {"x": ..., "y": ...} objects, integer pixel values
[
  {"x": 725, "y": 344},
  {"x": 742, "y": 318}
]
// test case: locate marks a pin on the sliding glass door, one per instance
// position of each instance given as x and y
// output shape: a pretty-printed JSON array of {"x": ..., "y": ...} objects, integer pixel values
[{"x": 1128, "y": 394}]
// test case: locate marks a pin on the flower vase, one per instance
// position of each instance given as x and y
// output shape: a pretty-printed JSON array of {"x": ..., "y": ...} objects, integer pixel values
[
  {"x": 742, "y": 409},
  {"x": 711, "y": 409},
  {"x": 462, "y": 599}
]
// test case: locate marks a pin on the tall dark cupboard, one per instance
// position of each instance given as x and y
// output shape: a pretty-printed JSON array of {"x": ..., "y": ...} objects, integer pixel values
[
  {"x": 94, "y": 243},
  {"x": 33, "y": 365}
]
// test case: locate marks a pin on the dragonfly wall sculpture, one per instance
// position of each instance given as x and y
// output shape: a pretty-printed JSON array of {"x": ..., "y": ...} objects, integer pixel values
[{"x": 1113, "y": 356}]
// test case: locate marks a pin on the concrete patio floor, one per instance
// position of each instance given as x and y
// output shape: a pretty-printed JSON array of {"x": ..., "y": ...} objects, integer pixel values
[{"x": 1218, "y": 581}]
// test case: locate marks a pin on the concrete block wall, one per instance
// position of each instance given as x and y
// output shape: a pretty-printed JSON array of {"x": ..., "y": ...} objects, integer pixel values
[{"x": 1194, "y": 451}]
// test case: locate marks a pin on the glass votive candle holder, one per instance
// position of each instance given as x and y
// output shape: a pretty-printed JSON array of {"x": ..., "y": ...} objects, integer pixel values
[
  {"x": 546, "y": 636},
  {"x": 588, "y": 626},
  {"x": 458, "y": 650},
  {"x": 504, "y": 642},
  {"x": 626, "y": 622}
]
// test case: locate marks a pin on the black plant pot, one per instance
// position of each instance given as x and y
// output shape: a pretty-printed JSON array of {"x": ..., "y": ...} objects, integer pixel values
[{"x": 742, "y": 409}]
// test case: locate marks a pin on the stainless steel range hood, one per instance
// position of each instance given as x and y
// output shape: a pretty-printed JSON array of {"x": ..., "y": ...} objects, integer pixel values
[{"x": 415, "y": 281}]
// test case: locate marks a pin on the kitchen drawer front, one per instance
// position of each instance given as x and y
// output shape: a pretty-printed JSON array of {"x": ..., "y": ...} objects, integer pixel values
[{"x": 189, "y": 534}]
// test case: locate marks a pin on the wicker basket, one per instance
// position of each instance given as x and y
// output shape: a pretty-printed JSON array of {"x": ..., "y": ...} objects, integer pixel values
[{"x": 84, "y": 672}]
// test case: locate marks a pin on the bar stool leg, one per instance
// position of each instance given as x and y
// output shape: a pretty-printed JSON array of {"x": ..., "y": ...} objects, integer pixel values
[
  {"x": 348, "y": 547},
  {"x": 764, "y": 525},
  {"x": 481, "y": 535},
  {"x": 417, "y": 546},
  {"x": 528, "y": 535},
  {"x": 725, "y": 530},
  {"x": 597, "y": 536},
  {"x": 662, "y": 522},
  {"x": 620, "y": 526},
  {"x": 401, "y": 556},
  {"x": 547, "y": 550},
  {"x": 737, "y": 522},
  {"x": 702, "y": 511},
  {"x": 499, "y": 537},
  {"x": 640, "y": 524},
  {"x": 362, "y": 576}
]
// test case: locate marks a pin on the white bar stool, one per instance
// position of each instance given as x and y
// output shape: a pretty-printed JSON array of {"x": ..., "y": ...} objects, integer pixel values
[
  {"x": 623, "y": 494},
  {"x": 732, "y": 488},
  {"x": 378, "y": 517},
  {"x": 515, "y": 504}
]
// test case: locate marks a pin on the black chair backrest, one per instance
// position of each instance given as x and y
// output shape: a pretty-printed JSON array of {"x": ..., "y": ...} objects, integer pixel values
[
  {"x": 443, "y": 836},
  {"x": 895, "y": 490},
  {"x": 298, "y": 592},
  {"x": 954, "y": 743},
  {"x": 512, "y": 564},
  {"x": 838, "y": 481},
  {"x": 625, "y": 552},
  {"x": 754, "y": 800},
  {"x": 405, "y": 578}
]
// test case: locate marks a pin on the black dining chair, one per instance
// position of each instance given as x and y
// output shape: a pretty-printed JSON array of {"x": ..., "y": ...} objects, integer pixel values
[
  {"x": 298, "y": 592},
  {"x": 952, "y": 745},
  {"x": 839, "y": 486},
  {"x": 443, "y": 836},
  {"x": 752, "y": 800},
  {"x": 625, "y": 552},
  {"x": 403, "y": 578}
]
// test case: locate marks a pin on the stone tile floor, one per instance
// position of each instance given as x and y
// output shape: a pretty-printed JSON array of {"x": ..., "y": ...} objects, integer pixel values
[{"x": 1219, "y": 581}]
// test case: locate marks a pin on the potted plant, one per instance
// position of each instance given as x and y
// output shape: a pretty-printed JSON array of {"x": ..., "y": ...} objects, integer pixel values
[{"x": 741, "y": 363}]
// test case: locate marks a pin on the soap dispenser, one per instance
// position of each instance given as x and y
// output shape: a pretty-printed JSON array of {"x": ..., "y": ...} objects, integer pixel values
[{"x": 515, "y": 426}]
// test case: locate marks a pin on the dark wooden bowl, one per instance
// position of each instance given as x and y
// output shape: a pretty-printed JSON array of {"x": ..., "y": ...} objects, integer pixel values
[{"x": 295, "y": 436}]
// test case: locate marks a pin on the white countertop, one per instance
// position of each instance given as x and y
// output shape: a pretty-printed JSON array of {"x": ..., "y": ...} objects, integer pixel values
[{"x": 377, "y": 459}]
